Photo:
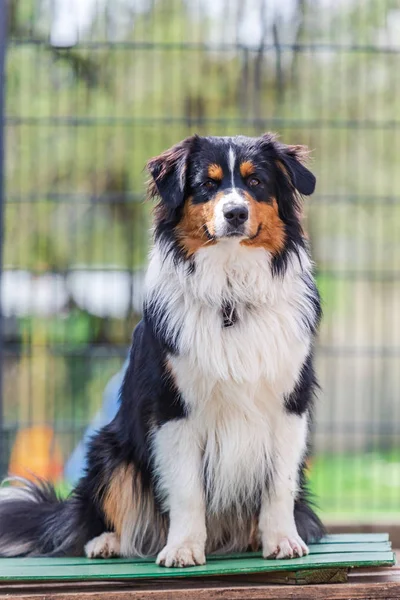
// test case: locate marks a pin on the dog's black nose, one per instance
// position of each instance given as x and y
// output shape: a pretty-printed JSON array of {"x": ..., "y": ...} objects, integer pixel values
[{"x": 236, "y": 214}]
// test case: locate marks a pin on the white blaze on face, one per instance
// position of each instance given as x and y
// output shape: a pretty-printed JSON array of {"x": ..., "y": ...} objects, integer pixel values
[
  {"x": 232, "y": 197},
  {"x": 232, "y": 160}
]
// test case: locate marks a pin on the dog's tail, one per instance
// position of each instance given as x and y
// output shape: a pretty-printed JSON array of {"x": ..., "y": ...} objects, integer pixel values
[
  {"x": 309, "y": 525},
  {"x": 34, "y": 521}
]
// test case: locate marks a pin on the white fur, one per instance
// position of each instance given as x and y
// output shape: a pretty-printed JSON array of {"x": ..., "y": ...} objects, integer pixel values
[
  {"x": 268, "y": 341},
  {"x": 106, "y": 545},
  {"x": 233, "y": 381},
  {"x": 232, "y": 160},
  {"x": 13, "y": 493},
  {"x": 178, "y": 465},
  {"x": 277, "y": 525},
  {"x": 10, "y": 548}
]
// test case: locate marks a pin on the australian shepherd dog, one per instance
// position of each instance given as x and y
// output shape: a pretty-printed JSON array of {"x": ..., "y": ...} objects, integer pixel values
[{"x": 207, "y": 452}]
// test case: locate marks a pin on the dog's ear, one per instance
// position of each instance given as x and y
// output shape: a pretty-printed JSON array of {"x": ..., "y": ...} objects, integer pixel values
[
  {"x": 292, "y": 158},
  {"x": 168, "y": 172}
]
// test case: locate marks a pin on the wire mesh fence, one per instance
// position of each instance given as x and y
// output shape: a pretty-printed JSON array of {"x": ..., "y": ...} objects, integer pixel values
[{"x": 93, "y": 90}]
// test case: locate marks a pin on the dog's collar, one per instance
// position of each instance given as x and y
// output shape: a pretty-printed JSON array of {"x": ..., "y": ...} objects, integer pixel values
[{"x": 229, "y": 314}]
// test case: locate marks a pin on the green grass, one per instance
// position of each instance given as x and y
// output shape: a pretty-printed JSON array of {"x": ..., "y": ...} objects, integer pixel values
[{"x": 357, "y": 486}]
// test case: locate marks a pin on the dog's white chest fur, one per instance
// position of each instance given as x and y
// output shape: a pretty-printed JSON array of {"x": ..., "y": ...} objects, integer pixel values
[
  {"x": 268, "y": 339},
  {"x": 234, "y": 379},
  {"x": 236, "y": 429}
]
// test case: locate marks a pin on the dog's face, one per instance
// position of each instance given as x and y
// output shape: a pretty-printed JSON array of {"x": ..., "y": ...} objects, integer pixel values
[{"x": 244, "y": 189}]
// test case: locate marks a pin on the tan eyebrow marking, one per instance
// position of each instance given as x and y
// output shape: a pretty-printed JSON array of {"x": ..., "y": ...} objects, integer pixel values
[
  {"x": 215, "y": 172},
  {"x": 246, "y": 168}
]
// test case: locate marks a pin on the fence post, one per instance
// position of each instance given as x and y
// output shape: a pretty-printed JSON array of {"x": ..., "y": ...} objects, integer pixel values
[{"x": 3, "y": 35}]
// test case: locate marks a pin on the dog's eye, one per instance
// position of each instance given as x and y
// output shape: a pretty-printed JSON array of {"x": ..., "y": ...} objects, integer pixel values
[
  {"x": 210, "y": 184},
  {"x": 253, "y": 182}
]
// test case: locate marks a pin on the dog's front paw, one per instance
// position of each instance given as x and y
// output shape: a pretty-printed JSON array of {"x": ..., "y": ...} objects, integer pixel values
[
  {"x": 182, "y": 555},
  {"x": 290, "y": 546},
  {"x": 105, "y": 545}
]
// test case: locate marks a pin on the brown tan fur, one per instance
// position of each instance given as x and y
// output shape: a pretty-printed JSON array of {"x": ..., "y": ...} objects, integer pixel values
[
  {"x": 192, "y": 235},
  {"x": 130, "y": 512},
  {"x": 246, "y": 168},
  {"x": 118, "y": 500},
  {"x": 255, "y": 542},
  {"x": 191, "y": 230},
  {"x": 284, "y": 170},
  {"x": 265, "y": 215},
  {"x": 215, "y": 171}
]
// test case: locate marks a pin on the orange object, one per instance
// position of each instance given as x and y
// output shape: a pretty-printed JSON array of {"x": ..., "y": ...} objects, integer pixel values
[{"x": 36, "y": 452}]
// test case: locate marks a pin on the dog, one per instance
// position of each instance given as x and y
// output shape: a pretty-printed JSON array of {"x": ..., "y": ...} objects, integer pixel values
[{"x": 207, "y": 451}]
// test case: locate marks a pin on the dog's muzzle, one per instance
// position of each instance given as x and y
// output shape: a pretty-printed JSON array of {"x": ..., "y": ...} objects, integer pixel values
[{"x": 231, "y": 216}]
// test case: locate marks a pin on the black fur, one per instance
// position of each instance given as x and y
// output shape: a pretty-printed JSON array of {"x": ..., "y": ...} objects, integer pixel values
[
  {"x": 301, "y": 398},
  {"x": 148, "y": 397},
  {"x": 308, "y": 524},
  {"x": 38, "y": 523},
  {"x": 312, "y": 323}
]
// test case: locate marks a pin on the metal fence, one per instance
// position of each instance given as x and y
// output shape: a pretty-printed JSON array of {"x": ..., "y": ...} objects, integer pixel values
[{"x": 95, "y": 88}]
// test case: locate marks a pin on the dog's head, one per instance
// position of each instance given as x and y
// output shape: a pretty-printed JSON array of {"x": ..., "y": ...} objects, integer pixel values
[{"x": 243, "y": 189}]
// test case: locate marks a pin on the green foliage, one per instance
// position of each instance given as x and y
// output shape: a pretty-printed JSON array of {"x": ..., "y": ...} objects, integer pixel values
[
  {"x": 84, "y": 121},
  {"x": 357, "y": 485}
]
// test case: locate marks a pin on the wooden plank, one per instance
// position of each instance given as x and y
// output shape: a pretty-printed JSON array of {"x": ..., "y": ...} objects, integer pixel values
[
  {"x": 345, "y": 591},
  {"x": 314, "y": 549},
  {"x": 304, "y": 577},
  {"x": 307, "y": 577},
  {"x": 383, "y": 574},
  {"x": 121, "y": 570},
  {"x": 379, "y": 586}
]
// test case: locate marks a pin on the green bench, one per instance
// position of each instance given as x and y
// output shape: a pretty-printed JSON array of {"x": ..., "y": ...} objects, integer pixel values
[{"x": 330, "y": 561}]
